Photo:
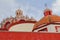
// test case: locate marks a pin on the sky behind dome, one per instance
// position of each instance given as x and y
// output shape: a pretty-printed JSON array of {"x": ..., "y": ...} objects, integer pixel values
[{"x": 32, "y": 8}]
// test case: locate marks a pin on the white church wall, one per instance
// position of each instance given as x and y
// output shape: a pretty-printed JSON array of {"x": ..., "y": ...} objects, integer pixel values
[
  {"x": 52, "y": 27},
  {"x": 24, "y": 27}
]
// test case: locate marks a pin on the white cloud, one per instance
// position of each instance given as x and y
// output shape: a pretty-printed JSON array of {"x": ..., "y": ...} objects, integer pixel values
[{"x": 56, "y": 7}]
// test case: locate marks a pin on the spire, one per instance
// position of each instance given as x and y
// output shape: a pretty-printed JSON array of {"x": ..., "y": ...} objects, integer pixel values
[
  {"x": 32, "y": 19},
  {"x": 47, "y": 11},
  {"x": 27, "y": 17}
]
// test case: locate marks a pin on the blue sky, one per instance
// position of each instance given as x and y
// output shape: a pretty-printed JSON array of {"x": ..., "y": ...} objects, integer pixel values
[{"x": 32, "y": 8}]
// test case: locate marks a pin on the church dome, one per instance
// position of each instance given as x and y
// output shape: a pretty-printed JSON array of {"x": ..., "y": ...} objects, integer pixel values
[
  {"x": 19, "y": 23},
  {"x": 47, "y": 19}
]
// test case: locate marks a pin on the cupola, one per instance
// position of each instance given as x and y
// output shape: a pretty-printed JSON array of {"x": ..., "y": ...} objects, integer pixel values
[{"x": 47, "y": 12}]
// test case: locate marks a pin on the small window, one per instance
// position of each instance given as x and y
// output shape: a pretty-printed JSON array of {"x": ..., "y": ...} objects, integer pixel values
[{"x": 57, "y": 28}]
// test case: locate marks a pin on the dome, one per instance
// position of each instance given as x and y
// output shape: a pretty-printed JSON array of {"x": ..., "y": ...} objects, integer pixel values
[{"x": 47, "y": 20}]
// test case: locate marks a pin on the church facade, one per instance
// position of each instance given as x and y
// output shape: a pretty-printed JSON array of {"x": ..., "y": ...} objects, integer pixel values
[
  {"x": 49, "y": 23},
  {"x": 21, "y": 23}
]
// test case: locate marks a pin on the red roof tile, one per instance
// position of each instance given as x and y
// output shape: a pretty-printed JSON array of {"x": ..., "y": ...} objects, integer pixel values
[{"x": 46, "y": 20}]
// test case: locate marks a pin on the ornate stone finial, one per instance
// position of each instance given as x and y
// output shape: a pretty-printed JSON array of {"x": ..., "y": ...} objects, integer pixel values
[
  {"x": 32, "y": 19},
  {"x": 27, "y": 17},
  {"x": 19, "y": 12}
]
